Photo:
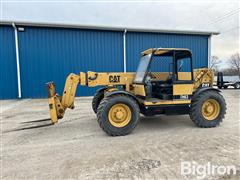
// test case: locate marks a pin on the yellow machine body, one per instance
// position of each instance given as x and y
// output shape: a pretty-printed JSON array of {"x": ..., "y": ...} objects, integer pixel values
[
  {"x": 123, "y": 96},
  {"x": 58, "y": 104}
]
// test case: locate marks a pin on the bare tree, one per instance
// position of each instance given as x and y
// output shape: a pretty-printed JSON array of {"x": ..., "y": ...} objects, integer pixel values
[
  {"x": 234, "y": 61},
  {"x": 214, "y": 62}
]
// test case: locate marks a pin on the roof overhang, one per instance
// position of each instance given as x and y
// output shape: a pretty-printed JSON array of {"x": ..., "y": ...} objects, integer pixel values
[{"x": 109, "y": 28}]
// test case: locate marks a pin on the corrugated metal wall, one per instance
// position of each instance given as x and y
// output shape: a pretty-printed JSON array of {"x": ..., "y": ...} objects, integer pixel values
[
  {"x": 50, "y": 54},
  {"x": 8, "y": 70},
  {"x": 137, "y": 42}
]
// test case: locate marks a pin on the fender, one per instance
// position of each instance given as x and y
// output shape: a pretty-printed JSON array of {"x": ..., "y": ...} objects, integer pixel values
[
  {"x": 121, "y": 92},
  {"x": 202, "y": 89},
  {"x": 101, "y": 89}
]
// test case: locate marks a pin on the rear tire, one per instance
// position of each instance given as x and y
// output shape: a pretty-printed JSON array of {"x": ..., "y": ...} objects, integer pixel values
[
  {"x": 98, "y": 96},
  {"x": 237, "y": 85},
  {"x": 118, "y": 115},
  {"x": 208, "y": 109}
]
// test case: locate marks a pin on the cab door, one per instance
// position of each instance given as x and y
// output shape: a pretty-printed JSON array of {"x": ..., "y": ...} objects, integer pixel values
[{"x": 183, "y": 83}]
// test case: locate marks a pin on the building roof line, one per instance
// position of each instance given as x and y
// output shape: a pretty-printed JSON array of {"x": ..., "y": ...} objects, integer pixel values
[{"x": 110, "y": 28}]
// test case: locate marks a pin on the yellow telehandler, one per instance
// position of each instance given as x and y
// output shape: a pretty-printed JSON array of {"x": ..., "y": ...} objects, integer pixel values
[{"x": 124, "y": 96}]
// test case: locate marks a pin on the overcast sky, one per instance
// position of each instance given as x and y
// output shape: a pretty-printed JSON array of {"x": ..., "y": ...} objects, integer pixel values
[{"x": 213, "y": 15}]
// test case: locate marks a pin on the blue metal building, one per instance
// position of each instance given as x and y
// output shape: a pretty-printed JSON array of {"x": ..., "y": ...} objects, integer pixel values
[{"x": 33, "y": 54}]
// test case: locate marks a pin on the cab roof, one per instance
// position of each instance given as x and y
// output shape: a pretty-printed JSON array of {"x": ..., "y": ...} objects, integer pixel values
[{"x": 164, "y": 51}]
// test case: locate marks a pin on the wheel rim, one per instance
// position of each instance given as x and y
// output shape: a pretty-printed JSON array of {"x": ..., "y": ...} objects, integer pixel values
[
  {"x": 210, "y": 109},
  {"x": 119, "y": 115}
]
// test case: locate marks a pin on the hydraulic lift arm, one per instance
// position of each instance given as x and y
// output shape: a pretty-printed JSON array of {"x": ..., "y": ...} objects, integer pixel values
[{"x": 59, "y": 104}]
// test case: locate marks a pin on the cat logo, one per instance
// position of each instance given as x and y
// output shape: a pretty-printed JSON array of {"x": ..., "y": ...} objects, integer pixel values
[{"x": 114, "y": 79}]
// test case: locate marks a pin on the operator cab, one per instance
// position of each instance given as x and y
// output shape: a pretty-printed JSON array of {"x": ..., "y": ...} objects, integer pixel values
[{"x": 165, "y": 73}]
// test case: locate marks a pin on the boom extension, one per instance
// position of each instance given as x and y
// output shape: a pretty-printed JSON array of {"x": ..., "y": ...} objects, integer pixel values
[{"x": 59, "y": 104}]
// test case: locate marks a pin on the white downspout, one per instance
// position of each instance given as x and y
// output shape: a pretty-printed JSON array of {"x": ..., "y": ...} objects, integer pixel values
[
  {"x": 209, "y": 49},
  {"x": 17, "y": 61},
  {"x": 124, "y": 51}
]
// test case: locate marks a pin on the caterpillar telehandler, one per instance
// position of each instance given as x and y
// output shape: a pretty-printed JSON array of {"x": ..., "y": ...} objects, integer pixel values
[{"x": 124, "y": 96}]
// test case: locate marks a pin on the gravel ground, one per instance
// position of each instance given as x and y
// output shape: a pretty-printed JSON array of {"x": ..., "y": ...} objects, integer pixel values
[{"x": 76, "y": 148}]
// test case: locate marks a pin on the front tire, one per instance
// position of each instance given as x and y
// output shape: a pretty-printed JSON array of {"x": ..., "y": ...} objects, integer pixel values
[
  {"x": 118, "y": 115},
  {"x": 208, "y": 109}
]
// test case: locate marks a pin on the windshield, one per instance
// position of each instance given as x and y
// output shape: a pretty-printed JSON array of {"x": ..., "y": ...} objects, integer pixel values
[{"x": 142, "y": 68}]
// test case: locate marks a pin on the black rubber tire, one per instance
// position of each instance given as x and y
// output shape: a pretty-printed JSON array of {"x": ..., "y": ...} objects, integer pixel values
[
  {"x": 237, "y": 85},
  {"x": 98, "y": 96},
  {"x": 225, "y": 87},
  {"x": 196, "y": 106},
  {"x": 104, "y": 107}
]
